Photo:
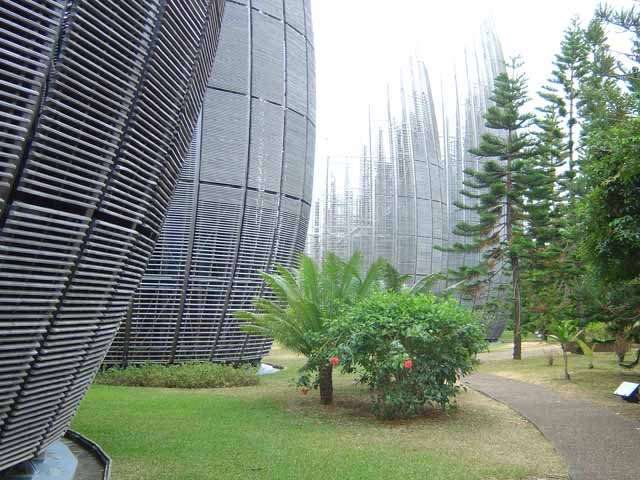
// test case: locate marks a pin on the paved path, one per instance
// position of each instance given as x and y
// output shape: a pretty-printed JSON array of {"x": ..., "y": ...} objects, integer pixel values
[{"x": 596, "y": 443}]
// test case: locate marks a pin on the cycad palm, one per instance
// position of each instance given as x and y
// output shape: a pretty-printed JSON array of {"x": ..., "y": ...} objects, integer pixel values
[
  {"x": 306, "y": 301},
  {"x": 564, "y": 333}
]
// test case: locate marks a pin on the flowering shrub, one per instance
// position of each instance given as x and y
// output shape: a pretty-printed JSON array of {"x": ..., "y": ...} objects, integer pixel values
[{"x": 409, "y": 349}]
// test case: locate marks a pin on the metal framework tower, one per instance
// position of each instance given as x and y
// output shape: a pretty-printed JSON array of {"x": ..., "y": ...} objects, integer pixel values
[
  {"x": 99, "y": 100},
  {"x": 243, "y": 199},
  {"x": 411, "y": 172}
]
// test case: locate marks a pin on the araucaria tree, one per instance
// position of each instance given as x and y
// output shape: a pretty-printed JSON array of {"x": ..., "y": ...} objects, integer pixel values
[
  {"x": 552, "y": 269},
  {"x": 498, "y": 192},
  {"x": 562, "y": 94}
]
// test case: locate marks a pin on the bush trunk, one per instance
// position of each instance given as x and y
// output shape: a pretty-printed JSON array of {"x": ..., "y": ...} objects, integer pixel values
[{"x": 326, "y": 384}]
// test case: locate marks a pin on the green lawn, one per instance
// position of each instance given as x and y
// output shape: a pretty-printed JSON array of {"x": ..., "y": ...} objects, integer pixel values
[
  {"x": 270, "y": 431},
  {"x": 507, "y": 337},
  {"x": 595, "y": 384}
]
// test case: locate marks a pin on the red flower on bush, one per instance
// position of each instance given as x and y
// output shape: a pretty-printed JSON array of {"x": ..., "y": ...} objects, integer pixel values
[
  {"x": 304, "y": 390},
  {"x": 408, "y": 363},
  {"x": 335, "y": 361}
]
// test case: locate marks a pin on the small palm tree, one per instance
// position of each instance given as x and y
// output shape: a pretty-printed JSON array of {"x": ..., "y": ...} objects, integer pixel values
[
  {"x": 564, "y": 333},
  {"x": 588, "y": 351},
  {"x": 306, "y": 301}
]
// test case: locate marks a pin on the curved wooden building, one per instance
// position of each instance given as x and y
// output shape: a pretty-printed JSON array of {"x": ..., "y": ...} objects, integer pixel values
[
  {"x": 243, "y": 199},
  {"x": 99, "y": 101}
]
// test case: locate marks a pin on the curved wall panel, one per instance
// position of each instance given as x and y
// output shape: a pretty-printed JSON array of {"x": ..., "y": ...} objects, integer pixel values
[
  {"x": 397, "y": 208},
  {"x": 242, "y": 202},
  {"x": 99, "y": 100},
  {"x": 411, "y": 171}
]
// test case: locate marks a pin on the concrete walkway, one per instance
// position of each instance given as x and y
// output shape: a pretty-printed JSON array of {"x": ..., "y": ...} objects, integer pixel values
[{"x": 596, "y": 443}]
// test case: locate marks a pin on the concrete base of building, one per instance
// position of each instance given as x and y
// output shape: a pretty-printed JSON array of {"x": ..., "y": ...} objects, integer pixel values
[{"x": 73, "y": 457}]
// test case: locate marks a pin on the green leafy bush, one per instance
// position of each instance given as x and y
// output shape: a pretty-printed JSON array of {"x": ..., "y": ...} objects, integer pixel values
[
  {"x": 186, "y": 375},
  {"x": 597, "y": 332},
  {"x": 409, "y": 349}
]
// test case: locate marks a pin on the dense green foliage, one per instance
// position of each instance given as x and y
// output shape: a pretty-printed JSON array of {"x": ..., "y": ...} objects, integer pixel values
[
  {"x": 597, "y": 332},
  {"x": 186, "y": 375},
  {"x": 573, "y": 195},
  {"x": 612, "y": 203},
  {"x": 307, "y": 301},
  {"x": 410, "y": 349},
  {"x": 602, "y": 213}
]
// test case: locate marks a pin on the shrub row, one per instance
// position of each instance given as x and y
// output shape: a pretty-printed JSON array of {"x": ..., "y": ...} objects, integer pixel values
[{"x": 187, "y": 375}]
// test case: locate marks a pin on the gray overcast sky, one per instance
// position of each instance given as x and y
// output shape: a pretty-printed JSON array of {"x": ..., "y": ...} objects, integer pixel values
[{"x": 361, "y": 45}]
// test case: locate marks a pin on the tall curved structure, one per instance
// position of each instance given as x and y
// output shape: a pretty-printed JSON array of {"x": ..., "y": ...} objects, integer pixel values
[
  {"x": 482, "y": 65},
  {"x": 99, "y": 100},
  {"x": 243, "y": 199},
  {"x": 398, "y": 209},
  {"x": 411, "y": 171}
]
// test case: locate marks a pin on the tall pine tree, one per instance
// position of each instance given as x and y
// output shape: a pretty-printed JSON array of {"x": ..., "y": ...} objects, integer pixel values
[
  {"x": 554, "y": 269},
  {"x": 546, "y": 296},
  {"x": 497, "y": 193},
  {"x": 570, "y": 67},
  {"x": 601, "y": 100}
]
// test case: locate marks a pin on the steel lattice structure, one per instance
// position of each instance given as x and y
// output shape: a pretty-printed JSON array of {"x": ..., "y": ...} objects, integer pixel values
[
  {"x": 243, "y": 199},
  {"x": 410, "y": 173},
  {"x": 99, "y": 101}
]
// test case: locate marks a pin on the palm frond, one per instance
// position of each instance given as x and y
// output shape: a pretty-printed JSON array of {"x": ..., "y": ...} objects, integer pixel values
[
  {"x": 426, "y": 284},
  {"x": 306, "y": 298},
  {"x": 373, "y": 276}
]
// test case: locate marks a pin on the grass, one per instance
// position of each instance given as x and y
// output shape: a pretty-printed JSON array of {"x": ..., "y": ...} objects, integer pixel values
[
  {"x": 507, "y": 337},
  {"x": 188, "y": 375},
  {"x": 270, "y": 431},
  {"x": 595, "y": 384}
]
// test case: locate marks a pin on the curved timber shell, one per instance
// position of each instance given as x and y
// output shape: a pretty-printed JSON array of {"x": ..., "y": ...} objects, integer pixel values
[
  {"x": 243, "y": 199},
  {"x": 403, "y": 204},
  {"x": 99, "y": 100}
]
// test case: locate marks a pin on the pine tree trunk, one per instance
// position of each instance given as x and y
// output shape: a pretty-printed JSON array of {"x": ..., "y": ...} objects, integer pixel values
[
  {"x": 571, "y": 122},
  {"x": 326, "y": 384},
  {"x": 515, "y": 266},
  {"x": 517, "y": 310}
]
